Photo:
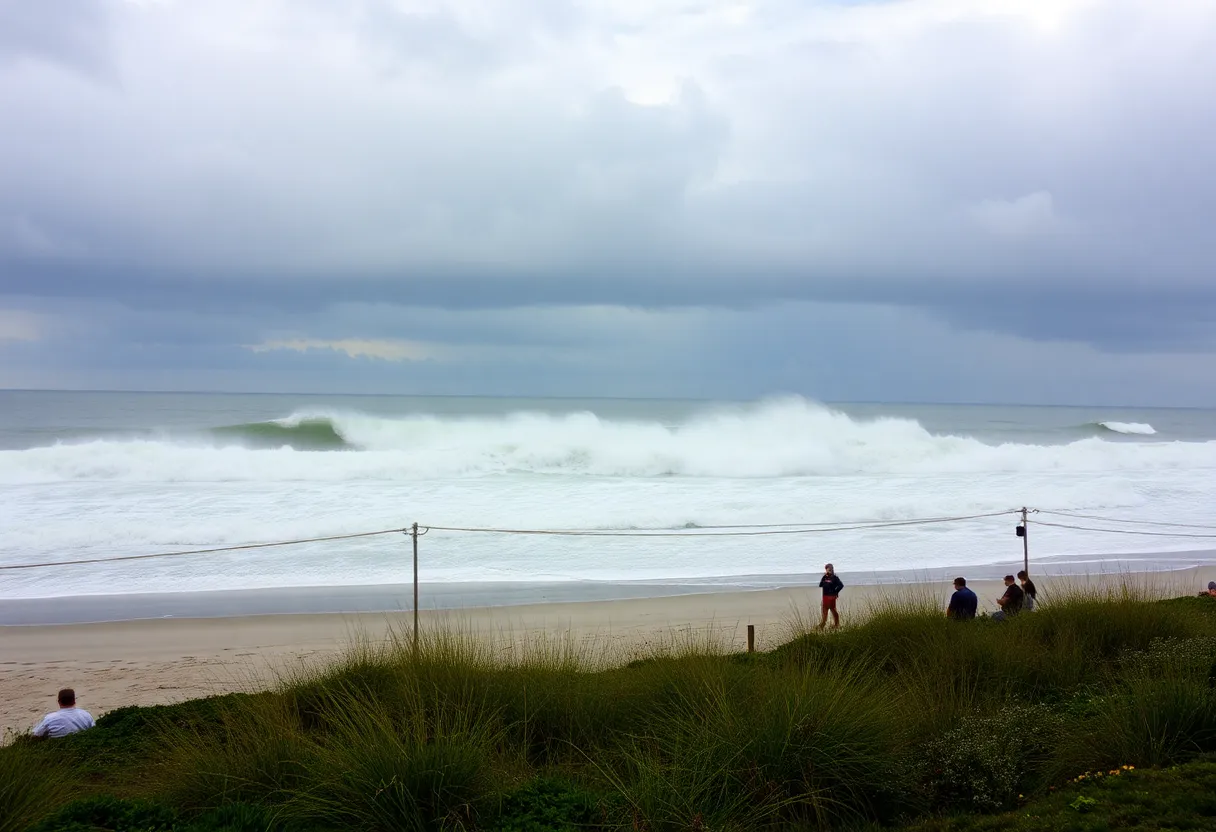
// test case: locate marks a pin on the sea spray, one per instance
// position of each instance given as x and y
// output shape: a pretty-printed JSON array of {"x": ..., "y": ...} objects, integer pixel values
[
  {"x": 1129, "y": 428},
  {"x": 789, "y": 438},
  {"x": 318, "y": 470}
]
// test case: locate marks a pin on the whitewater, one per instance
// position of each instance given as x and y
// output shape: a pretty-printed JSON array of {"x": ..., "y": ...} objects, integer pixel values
[{"x": 175, "y": 474}]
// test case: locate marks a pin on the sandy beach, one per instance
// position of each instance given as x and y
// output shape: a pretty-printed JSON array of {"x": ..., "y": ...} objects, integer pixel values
[{"x": 148, "y": 662}]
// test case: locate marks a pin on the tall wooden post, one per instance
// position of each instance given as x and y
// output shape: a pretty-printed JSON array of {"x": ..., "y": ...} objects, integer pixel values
[
  {"x": 414, "y": 534},
  {"x": 1025, "y": 542},
  {"x": 751, "y": 638}
]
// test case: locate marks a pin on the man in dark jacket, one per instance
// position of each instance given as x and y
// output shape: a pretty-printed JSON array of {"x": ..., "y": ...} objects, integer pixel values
[
  {"x": 963, "y": 602},
  {"x": 831, "y": 585},
  {"x": 1011, "y": 601}
]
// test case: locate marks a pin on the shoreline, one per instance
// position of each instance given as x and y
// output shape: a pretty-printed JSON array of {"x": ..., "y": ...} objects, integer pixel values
[
  {"x": 356, "y": 599},
  {"x": 148, "y": 662}
]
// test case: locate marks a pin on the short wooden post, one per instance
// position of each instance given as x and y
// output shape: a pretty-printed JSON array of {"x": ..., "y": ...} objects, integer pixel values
[{"x": 751, "y": 638}]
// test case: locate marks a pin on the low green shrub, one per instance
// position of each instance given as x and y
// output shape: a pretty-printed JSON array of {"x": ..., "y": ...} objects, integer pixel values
[
  {"x": 548, "y": 805},
  {"x": 987, "y": 761},
  {"x": 110, "y": 814},
  {"x": 237, "y": 817},
  {"x": 1174, "y": 799}
]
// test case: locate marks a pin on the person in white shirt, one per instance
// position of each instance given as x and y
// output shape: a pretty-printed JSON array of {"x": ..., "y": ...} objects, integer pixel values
[{"x": 67, "y": 720}]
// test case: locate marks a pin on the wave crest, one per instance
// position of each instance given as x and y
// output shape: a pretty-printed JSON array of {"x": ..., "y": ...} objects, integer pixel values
[
  {"x": 1128, "y": 428},
  {"x": 782, "y": 438},
  {"x": 304, "y": 434}
]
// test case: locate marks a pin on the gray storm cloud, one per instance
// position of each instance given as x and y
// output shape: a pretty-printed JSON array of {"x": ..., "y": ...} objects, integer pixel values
[{"x": 1030, "y": 168}]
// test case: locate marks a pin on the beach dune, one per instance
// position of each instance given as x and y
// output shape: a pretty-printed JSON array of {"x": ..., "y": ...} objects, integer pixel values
[{"x": 150, "y": 662}]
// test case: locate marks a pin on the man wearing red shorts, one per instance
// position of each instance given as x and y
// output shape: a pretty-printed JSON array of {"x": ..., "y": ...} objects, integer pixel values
[{"x": 831, "y": 585}]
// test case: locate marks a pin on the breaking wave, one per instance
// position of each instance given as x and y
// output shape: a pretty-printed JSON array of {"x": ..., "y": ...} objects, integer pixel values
[
  {"x": 306, "y": 434},
  {"x": 1128, "y": 428},
  {"x": 782, "y": 438}
]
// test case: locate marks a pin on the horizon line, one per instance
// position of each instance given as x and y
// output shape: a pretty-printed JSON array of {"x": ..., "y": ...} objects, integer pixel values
[{"x": 571, "y": 397}]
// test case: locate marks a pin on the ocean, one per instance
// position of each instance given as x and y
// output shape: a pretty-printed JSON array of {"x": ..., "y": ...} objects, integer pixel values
[{"x": 95, "y": 475}]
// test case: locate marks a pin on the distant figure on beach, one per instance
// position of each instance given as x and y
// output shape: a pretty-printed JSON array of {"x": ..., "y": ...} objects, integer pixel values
[
  {"x": 963, "y": 602},
  {"x": 67, "y": 720},
  {"x": 1011, "y": 602},
  {"x": 1028, "y": 587},
  {"x": 831, "y": 585}
]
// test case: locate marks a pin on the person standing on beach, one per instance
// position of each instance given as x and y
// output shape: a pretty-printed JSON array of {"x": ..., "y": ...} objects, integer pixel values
[
  {"x": 831, "y": 585},
  {"x": 1032, "y": 594},
  {"x": 963, "y": 602},
  {"x": 1011, "y": 601},
  {"x": 67, "y": 720}
]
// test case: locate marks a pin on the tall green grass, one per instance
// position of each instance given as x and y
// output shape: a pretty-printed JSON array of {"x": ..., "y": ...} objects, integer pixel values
[
  {"x": 894, "y": 717},
  {"x": 30, "y": 783}
]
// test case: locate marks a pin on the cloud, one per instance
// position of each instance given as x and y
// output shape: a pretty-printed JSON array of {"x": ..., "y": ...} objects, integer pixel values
[
  {"x": 21, "y": 238},
  {"x": 383, "y": 349},
  {"x": 1027, "y": 216},
  {"x": 71, "y": 34},
  {"x": 19, "y": 325},
  {"x": 253, "y": 173}
]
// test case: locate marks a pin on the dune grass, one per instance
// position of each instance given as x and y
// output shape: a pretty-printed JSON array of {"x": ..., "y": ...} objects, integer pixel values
[{"x": 901, "y": 718}]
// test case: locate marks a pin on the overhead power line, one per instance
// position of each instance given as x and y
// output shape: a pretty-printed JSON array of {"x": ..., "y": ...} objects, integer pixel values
[
  {"x": 725, "y": 531},
  {"x": 1124, "y": 531},
  {"x": 1160, "y": 523},
  {"x": 205, "y": 551},
  {"x": 738, "y": 530}
]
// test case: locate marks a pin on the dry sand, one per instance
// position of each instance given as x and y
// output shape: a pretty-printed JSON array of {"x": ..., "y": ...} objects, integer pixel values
[{"x": 159, "y": 661}]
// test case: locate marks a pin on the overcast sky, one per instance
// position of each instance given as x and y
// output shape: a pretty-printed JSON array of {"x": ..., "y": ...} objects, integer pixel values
[{"x": 916, "y": 200}]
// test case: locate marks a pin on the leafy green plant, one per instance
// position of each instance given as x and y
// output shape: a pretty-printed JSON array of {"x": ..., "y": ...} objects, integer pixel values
[
  {"x": 1083, "y": 804},
  {"x": 548, "y": 805},
  {"x": 987, "y": 761},
  {"x": 110, "y": 814}
]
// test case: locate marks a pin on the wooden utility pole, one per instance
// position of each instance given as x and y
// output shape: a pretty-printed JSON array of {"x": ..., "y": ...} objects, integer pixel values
[
  {"x": 1025, "y": 542},
  {"x": 414, "y": 534}
]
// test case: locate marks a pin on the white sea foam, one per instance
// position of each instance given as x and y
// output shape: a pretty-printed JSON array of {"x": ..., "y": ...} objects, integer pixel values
[
  {"x": 779, "y": 439},
  {"x": 1132, "y": 428},
  {"x": 779, "y": 462}
]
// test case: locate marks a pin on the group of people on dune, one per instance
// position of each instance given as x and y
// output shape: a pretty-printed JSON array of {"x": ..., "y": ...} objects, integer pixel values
[{"x": 964, "y": 603}]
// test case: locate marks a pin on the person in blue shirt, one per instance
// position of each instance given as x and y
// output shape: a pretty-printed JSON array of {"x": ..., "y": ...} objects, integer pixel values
[
  {"x": 963, "y": 602},
  {"x": 831, "y": 585}
]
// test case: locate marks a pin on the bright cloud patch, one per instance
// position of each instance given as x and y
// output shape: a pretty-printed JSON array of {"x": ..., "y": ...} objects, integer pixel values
[
  {"x": 1026, "y": 216},
  {"x": 383, "y": 349},
  {"x": 19, "y": 325}
]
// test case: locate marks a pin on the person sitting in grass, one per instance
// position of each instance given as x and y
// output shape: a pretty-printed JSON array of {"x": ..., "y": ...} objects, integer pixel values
[
  {"x": 1028, "y": 587},
  {"x": 831, "y": 585},
  {"x": 1211, "y": 591},
  {"x": 1011, "y": 601},
  {"x": 963, "y": 602},
  {"x": 67, "y": 720}
]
